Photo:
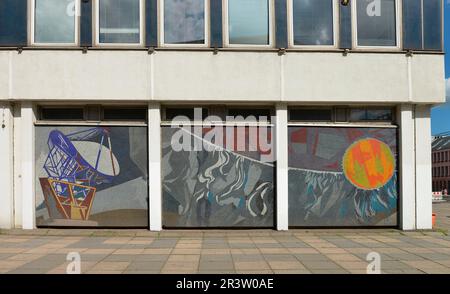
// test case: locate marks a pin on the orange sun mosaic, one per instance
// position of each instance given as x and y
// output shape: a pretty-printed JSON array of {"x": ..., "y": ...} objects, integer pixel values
[{"x": 368, "y": 164}]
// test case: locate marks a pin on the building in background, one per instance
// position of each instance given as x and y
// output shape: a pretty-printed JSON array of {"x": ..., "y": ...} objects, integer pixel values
[
  {"x": 441, "y": 163},
  {"x": 336, "y": 97}
]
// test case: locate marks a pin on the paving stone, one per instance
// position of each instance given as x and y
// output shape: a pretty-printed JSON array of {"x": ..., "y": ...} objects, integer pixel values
[
  {"x": 291, "y": 271},
  {"x": 146, "y": 265},
  {"x": 329, "y": 271},
  {"x": 248, "y": 257},
  {"x": 317, "y": 265},
  {"x": 311, "y": 257},
  {"x": 141, "y": 272},
  {"x": 151, "y": 257},
  {"x": 120, "y": 257},
  {"x": 251, "y": 265},
  {"x": 216, "y": 265}
]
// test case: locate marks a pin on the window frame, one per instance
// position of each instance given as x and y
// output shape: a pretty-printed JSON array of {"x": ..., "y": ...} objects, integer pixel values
[
  {"x": 226, "y": 32},
  {"x": 398, "y": 29},
  {"x": 141, "y": 28},
  {"x": 161, "y": 28},
  {"x": 32, "y": 27},
  {"x": 290, "y": 17}
]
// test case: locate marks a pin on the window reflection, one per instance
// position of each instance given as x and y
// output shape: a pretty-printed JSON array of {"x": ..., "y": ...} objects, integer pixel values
[
  {"x": 313, "y": 22},
  {"x": 376, "y": 24},
  {"x": 432, "y": 24},
  {"x": 184, "y": 21},
  {"x": 371, "y": 115},
  {"x": 119, "y": 21},
  {"x": 248, "y": 22},
  {"x": 54, "y": 21}
]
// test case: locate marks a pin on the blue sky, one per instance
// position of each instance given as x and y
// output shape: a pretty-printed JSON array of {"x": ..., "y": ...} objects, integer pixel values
[{"x": 440, "y": 115}]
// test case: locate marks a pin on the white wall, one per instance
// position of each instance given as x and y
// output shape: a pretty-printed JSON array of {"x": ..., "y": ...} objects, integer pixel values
[
  {"x": 6, "y": 167},
  {"x": 227, "y": 76}
]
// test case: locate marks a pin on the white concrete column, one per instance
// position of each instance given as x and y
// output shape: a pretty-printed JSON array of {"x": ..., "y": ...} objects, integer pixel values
[
  {"x": 17, "y": 138},
  {"x": 6, "y": 164},
  {"x": 27, "y": 166},
  {"x": 281, "y": 152},
  {"x": 423, "y": 167},
  {"x": 406, "y": 149},
  {"x": 154, "y": 158}
]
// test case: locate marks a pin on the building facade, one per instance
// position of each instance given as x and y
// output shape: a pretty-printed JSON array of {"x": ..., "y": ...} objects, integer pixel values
[
  {"x": 218, "y": 113},
  {"x": 441, "y": 164}
]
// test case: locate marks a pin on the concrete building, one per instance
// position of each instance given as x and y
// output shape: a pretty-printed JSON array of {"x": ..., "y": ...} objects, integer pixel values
[
  {"x": 340, "y": 93},
  {"x": 441, "y": 163}
]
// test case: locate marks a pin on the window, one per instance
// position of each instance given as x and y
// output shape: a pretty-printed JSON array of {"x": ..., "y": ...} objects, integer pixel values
[
  {"x": 249, "y": 22},
  {"x": 310, "y": 114},
  {"x": 423, "y": 24},
  {"x": 358, "y": 114},
  {"x": 313, "y": 23},
  {"x": 376, "y": 23},
  {"x": 341, "y": 115},
  {"x": 264, "y": 113},
  {"x": 125, "y": 114},
  {"x": 54, "y": 22},
  {"x": 192, "y": 113},
  {"x": 93, "y": 113},
  {"x": 61, "y": 113},
  {"x": 120, "y": 22},
  {"x": 184, "y": 22}
]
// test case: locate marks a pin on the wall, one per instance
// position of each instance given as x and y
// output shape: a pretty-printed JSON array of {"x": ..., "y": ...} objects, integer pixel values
[{"x": 227, "y": 76}]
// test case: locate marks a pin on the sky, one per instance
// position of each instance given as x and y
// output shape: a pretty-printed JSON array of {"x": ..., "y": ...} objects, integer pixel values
[{"x": 440, "y": 115}]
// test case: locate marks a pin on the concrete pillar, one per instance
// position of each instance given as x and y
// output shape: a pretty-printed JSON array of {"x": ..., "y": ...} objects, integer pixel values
[
  {"x": 27, "y": 165},
  {"x": 281, "y": 153},
  {"x": 423, "y": 167},
  {"x": 17, "y": 138},
  {"x": 154, "y": 158},
  {"x": 6, "y": 164},
  {"x": 406, "y": 149}
]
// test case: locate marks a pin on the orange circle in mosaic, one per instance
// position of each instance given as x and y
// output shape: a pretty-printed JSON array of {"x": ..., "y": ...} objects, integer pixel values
[{"x": 368, "y": 164}]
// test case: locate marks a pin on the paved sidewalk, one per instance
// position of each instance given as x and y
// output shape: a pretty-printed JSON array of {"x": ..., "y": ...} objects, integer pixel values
[
  {"x": 210, "y": 252},
  {"x": 296, "y": 251}
]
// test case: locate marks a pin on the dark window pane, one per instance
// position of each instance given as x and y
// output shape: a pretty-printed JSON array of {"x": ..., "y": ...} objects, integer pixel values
[
  {"x": 313, "y": 22},
  {"x": 412, "y": 24},
  {"x": 125, "y": 114},
  {"x": 248, "y": 22},
  {"x": 432, "y": 24},
  {"x": 310, "y": 114},
  {"x": 184, "y": 22},
  {"x": 341, "y": 115},
  {"x": 376, "y": 25},
  {"x": 172, "y": 113},
  {"x": 62, "y": 113},
  {"x": 371, "y": 115},
  {"x": 119, "y": 21},
  {"x": 245, "y": 113}
]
